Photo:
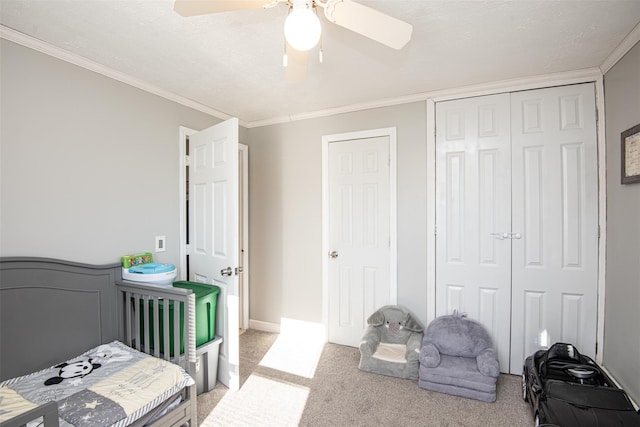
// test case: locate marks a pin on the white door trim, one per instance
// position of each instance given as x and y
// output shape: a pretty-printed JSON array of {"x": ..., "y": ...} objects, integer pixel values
[
  {"x": 569, "y": 78},
  {"x": 393, "y": 252},
  {"x": 244, "y": 217},
  {"x": 182, "y": 200},
  {"x": 431, "y": 210}
]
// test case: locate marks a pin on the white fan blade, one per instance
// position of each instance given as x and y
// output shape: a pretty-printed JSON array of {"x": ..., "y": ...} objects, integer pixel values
[
  {"x": 369, "y": 22},
  {"x": 203, "y": 7},
  {"x": 296, "y": 65}
]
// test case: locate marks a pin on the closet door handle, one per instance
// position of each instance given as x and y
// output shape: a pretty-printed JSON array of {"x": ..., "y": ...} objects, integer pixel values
[{"x": 503, "y": 236}]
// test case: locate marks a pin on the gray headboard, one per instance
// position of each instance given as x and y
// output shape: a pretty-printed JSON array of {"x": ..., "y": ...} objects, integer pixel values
[{"x": 52, "y": 310}]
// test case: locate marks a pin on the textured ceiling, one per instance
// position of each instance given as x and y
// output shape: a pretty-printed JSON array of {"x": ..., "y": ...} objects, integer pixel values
[{"x": 232, "y": 62}]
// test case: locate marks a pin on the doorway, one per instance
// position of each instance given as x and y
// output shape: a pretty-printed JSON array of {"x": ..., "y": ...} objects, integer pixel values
[{"x": 359, "y": 230}]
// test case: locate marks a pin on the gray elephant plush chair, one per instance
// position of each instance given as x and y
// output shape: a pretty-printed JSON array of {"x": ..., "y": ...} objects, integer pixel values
[
  {"x": 391, "y": 343},
  {"x": 457, "y": 357}
]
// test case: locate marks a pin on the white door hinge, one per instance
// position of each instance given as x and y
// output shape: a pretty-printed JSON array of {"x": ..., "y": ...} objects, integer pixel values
[
  {"x": 186, "y": 160},
  {"x": 187, "y": 249}
]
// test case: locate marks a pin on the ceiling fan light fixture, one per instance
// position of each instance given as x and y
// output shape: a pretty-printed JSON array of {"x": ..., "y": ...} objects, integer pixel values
[{"x": 302, "y": 27}]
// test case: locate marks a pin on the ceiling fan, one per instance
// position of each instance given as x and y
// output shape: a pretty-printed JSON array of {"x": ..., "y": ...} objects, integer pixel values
[{"x": 302, "y": 27}]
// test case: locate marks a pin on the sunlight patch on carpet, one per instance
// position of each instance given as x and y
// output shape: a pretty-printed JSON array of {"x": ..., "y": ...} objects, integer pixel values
[
  {"x": 260, "y": 402},
  {"x": 297, "y": 349}
]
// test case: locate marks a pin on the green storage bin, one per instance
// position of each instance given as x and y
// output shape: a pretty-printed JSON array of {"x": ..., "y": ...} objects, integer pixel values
[
  {"x": 206, "y": 297},
  {"x": 206, "y": 300}
]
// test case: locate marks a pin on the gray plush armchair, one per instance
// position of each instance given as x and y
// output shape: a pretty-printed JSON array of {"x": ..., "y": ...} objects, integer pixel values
[
  {"x": 391, "y": 343},
  {"x": 457, "y": 357}
]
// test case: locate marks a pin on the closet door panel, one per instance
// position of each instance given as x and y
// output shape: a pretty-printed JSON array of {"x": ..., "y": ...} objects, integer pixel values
[
  {"x": 555, "y": 215},
  {"x": 533, "y": 194},
  {"x": 473, "y": 172}
]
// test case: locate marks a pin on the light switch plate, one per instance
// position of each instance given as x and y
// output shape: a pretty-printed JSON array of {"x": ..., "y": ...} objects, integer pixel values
[{"x": 161, "y": 242}]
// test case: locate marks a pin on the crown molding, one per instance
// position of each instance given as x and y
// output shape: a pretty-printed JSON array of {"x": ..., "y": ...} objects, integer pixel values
[
  {"x": 570, "y": 77},
  {"x": 64, "y": 55},
  {"x": 625, "y": 46},
  {"x": 338, "y": 110},
  {"x": 518, "y": 84},
  {"x": 533, "y": 82}
]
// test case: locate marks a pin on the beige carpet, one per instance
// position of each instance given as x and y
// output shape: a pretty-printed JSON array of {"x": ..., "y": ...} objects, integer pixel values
[
  {"x": 339, "y": 394},
  {"x": 260, "y": 402}
]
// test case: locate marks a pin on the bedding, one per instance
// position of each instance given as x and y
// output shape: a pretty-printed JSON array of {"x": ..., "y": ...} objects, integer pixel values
[{"x": 109, "y": 385}]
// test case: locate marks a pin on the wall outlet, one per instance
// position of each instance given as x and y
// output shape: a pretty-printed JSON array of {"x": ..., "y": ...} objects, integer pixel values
[{"x": 161, "y": 242}]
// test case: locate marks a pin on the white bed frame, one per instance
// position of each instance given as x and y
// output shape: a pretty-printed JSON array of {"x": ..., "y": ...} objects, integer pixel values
[{"x": 52, "y": 310}]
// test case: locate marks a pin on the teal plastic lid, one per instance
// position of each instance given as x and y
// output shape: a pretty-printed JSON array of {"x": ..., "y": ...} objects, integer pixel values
[{"x": 152, "y": 268}]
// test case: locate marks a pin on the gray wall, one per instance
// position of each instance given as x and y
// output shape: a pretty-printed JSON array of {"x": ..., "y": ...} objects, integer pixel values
[
  {"x": 285, "y": 163},
  {"x": 89, "y": 171},
  {"x": 89, "y": 165},
  {"x": 622, "y": 296}
]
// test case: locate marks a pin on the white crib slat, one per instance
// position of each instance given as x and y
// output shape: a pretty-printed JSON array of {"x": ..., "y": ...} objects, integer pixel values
[{"x": 190, "y": 325}]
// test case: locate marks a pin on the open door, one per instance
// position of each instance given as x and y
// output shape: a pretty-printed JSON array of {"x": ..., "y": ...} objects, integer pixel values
[{"x": 213, "y": 233}]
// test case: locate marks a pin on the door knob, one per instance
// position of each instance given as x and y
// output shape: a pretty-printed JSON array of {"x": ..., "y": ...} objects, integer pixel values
[
  {"x": 226, "y": 271},
  {"x": 333, "y": 254}
]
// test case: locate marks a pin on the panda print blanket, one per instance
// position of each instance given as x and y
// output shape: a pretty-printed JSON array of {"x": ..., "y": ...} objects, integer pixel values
[{"x": 110, "y": 385}]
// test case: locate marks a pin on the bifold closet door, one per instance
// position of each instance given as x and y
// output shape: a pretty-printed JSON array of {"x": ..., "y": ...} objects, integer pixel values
[
  {"x": 555, "y": 213},
  {"x": 517, "y": 217},
  {"x": 473, "y": 214}
]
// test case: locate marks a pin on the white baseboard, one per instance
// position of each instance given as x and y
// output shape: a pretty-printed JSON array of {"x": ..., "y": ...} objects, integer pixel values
[
  {"x": 264, "y": 326},
  {"x": 635, "y": 405}
]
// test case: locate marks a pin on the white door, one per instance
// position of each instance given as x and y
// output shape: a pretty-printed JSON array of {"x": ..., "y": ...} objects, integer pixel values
[
  {"x": 518, "y": 214},
  {"x": 555, "y": 210},
  {"x": 213, "y": 232},
  {"x": 473, "y": 195},
  {"x": 359, "y": 270}
]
